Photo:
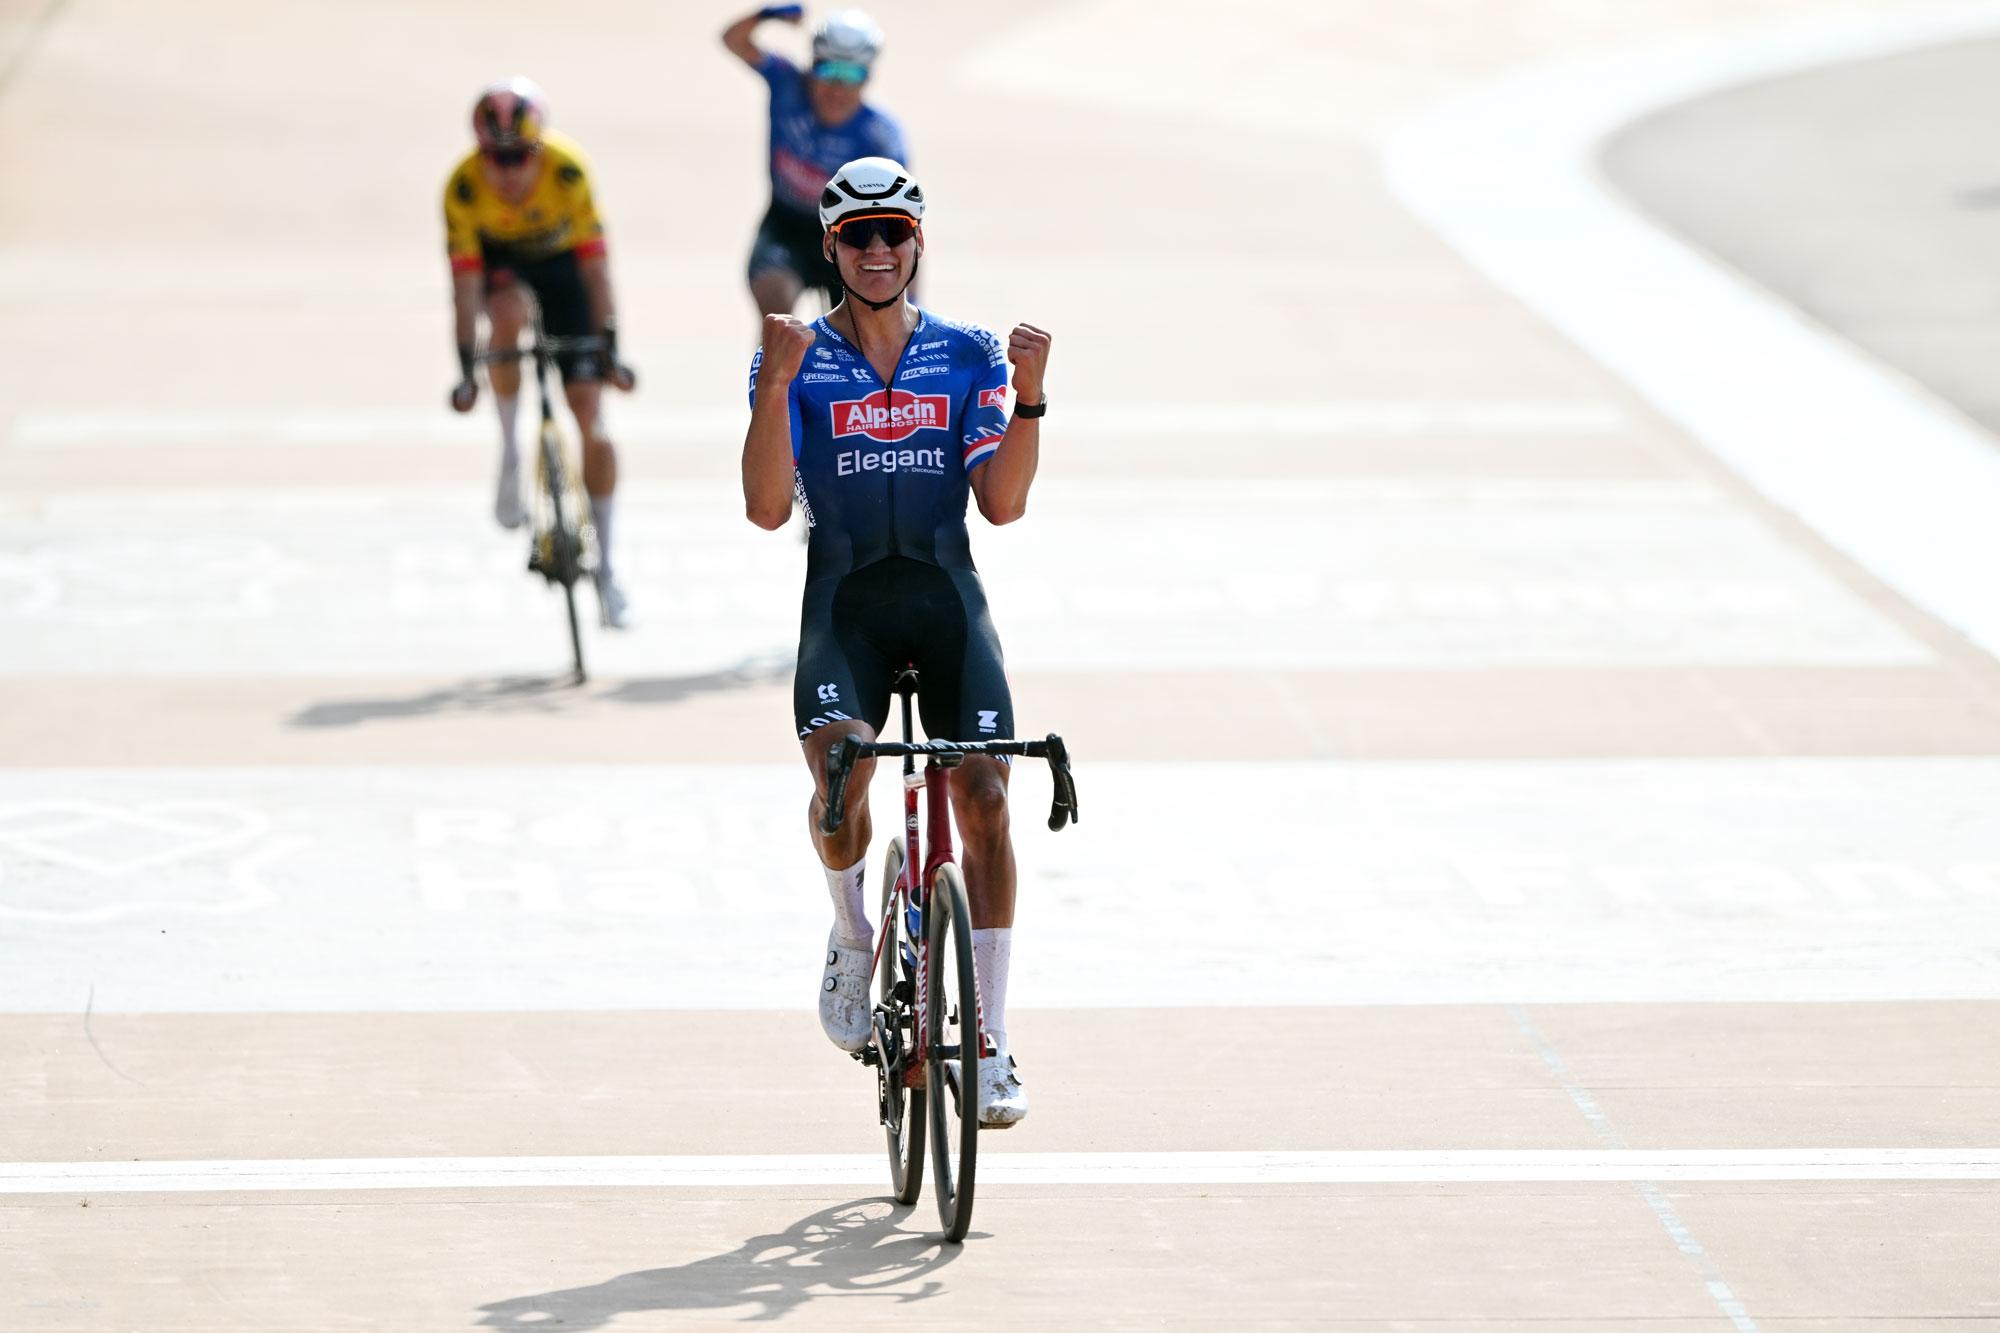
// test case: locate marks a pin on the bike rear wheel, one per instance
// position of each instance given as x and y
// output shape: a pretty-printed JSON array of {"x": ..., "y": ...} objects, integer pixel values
[
  {"x": 903, "y": 1117},
  {"x": 951, "y": 1017}
]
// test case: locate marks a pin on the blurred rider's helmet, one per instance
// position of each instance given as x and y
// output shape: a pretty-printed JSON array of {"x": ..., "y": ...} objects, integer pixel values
[
  {"x": 510, "y": 114},
  {"x": 870, "y": 185},
  {"x": 849, "y": 37}
]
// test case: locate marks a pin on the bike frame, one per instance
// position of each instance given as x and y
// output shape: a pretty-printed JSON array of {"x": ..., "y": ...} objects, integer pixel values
[{"x": 914, "y": 880}]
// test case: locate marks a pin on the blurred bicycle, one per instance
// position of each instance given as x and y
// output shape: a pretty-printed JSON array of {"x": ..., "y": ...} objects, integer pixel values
[{"x": 562, "y": 544}]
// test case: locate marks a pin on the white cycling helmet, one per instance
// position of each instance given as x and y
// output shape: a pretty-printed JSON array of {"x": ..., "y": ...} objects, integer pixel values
[
  {"x": 847, "y": 35},
  {"x": 510, "y": 114},
  {"x": 871, "y": 185}
]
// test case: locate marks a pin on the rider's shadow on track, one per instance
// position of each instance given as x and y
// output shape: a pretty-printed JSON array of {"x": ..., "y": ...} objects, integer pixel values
[
  {"x": 850, "y": 1250},
  {"x": 541, "y": 694}
]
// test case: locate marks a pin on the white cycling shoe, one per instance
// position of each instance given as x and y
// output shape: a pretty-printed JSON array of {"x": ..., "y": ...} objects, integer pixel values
[
  {"x": 843, "y": 992},
  {"x": 1003, "y": 1102},
  {"x": 507, "y": 507},
  {"x": 612, "y": 604}
]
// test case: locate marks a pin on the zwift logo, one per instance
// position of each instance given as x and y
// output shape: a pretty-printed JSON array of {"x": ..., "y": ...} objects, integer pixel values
[{"x": 878, "y": 418}]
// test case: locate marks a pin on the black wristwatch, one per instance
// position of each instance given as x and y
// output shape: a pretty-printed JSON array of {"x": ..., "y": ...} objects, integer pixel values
[{"x": 1029, "y": 411}]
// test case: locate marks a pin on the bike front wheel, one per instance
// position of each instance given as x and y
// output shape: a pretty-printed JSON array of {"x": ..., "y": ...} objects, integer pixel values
[
  {"x": 565, "y": 541},
  {"x": 951, "y": 1025},
  {"x": 896, "y": 1009}
]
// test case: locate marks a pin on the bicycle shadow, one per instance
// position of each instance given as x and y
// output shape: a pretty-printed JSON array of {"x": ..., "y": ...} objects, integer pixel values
[
  {"x": 508, "y": 694},
  {"x": 853, "y": 1249},
  {"x": 767, "y": 669},
  {"x": 547, "y": 695}
]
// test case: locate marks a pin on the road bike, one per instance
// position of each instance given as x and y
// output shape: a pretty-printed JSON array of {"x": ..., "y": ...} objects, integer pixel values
[
  {"x": 562, "y": 544},
  {"x": 927, "y": 1038}
]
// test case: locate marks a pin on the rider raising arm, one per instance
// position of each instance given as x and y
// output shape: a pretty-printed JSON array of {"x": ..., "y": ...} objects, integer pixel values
[
  {"x": 1001, "y": 487},
  {"x": 819, "y": 118},
  {"x": 768, "y": 466},
  {"x": 738, "y": 35}
]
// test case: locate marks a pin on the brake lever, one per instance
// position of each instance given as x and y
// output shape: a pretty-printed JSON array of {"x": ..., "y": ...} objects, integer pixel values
[{"x": 1063, "y": 810}]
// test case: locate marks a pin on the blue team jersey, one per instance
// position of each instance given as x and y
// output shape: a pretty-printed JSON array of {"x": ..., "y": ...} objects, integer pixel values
[
  {"x": 805, "y": 153},
  {"x": 880, "y": 474}
]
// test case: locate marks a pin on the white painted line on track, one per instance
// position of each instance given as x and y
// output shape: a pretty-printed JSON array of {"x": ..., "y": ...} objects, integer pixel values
[
  {"x": 1449, "y": 1166},
  {"x": 348, "y": 427},
  {"x": 1881, "y": 468}
]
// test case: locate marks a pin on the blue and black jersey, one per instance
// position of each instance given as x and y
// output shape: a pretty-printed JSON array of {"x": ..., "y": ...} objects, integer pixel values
[{"x": 884, "y": 473}]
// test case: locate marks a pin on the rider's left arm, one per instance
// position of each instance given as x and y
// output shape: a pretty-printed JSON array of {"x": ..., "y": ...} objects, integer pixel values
[
  {"x": 596, "y": 272},
  {"x": 1001, "y": 484}
]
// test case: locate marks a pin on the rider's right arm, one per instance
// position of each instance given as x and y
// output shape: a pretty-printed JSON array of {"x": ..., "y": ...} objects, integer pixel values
[
  {"x": 770, "y": 447},
  {"x": 468, "y": 268},
  {"x": 467, "y": 296},
  {"x": 737, "y": 37}
]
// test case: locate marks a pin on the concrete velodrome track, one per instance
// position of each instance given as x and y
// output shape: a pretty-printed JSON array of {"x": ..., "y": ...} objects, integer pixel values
[{"x": 1531, "y": 876}]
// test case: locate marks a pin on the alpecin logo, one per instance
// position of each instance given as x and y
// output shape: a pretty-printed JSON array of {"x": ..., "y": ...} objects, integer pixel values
[{"x": 878, "y": 419}]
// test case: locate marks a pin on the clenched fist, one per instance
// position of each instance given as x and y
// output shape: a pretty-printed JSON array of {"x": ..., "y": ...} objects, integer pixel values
[
  {"x": 785, "y": 343},
  {"x": 1028, "y": 350}
]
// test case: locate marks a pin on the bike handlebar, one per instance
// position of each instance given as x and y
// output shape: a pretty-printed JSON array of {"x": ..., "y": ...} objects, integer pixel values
[
  {"x": 548, "y": 343},
  {"x": 850, "y": 750}
]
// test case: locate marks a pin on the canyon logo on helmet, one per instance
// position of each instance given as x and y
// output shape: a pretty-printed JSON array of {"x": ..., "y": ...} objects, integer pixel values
[{"x": 870, "y": 185}]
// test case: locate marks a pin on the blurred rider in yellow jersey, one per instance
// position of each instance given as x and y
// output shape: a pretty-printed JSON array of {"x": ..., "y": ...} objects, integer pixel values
[{"x": 522, "y": 233}]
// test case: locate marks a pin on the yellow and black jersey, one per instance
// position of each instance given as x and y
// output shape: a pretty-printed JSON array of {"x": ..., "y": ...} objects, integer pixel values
[{"x": 557, "y": 214}]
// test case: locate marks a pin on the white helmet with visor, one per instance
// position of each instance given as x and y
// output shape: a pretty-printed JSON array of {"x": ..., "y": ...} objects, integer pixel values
[
  {"x": 869, "y": 197},
  {"x": 848, "y": 37},
  {"x": 872, "y": 185}
]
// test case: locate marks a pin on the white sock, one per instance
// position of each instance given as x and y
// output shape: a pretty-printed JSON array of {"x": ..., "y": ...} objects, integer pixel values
[
  {"x": 600, "y": 518},
  {"x": 991, "y": 949},
  {"x": 510, "y": 447},
  {"x": 850, "y": 914}
]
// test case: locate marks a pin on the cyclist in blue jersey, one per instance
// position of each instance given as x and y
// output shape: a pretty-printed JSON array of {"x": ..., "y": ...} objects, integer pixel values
[
  {"x": 818, "y": 121},
  {"x": 884, "y": 420}
]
